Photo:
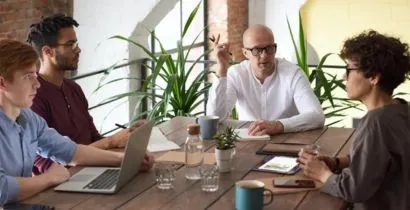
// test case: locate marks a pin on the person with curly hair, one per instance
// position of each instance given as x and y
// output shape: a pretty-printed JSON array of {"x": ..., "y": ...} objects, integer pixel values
[{"x": 376, "y": 173}]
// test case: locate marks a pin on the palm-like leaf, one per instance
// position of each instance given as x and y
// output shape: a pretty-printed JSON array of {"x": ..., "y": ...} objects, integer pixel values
[
  {"x": 323, "y": 83},
  {"x": 171, "y": 84}
]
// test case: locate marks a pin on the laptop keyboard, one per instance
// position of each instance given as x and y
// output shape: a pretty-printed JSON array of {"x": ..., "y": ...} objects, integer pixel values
[{"x": 106, "y": 180}]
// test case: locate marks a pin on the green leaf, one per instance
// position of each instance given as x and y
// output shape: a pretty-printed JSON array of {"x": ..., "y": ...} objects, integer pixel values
[
  {"x": 116, "y": 80},
  {"x": 302, "y": 41},
  {"x": 322, "y": 83},
  {"x": 171, "y": 85},
  {"x": 151, "y": 55},
  {"x": 298, "y": 57},
  {"x": 190, "y": 19}
]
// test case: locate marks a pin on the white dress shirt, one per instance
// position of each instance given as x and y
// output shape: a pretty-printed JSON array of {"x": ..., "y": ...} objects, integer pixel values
[{"x": 285, "y": 96}]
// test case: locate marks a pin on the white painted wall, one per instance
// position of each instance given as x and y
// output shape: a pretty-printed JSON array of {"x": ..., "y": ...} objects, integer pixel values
[
  {"x": 100, "y": 19},
  {"x": 273, "y": 13}
]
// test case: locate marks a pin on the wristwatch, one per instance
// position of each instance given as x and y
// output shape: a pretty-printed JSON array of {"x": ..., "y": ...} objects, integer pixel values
[{"x": 336, "y": 169}]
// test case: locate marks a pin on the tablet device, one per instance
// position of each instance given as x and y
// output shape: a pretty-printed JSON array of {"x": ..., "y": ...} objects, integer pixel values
[{"x": 278, "y": 164}]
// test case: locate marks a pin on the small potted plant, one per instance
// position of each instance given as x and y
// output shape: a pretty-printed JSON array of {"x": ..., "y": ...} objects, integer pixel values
[{"x": 225, "y": 149}]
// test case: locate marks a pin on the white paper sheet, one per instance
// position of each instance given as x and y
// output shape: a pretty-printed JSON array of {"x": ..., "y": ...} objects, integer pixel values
[
  {"x": 159, "y": 142},
  {"x": 244, "y": 136}
]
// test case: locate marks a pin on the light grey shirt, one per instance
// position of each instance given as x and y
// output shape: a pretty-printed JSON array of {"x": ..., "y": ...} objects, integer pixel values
[{"x": 378, "y": 176}]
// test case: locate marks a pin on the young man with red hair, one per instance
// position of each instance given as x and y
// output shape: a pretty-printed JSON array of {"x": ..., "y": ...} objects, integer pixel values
[{"x": 23, "y": 133}]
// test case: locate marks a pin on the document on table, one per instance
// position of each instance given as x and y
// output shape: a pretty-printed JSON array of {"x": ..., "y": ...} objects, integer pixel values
[
  {"x": 158, "y": 142},
  {"x": 244, "y": 136}
]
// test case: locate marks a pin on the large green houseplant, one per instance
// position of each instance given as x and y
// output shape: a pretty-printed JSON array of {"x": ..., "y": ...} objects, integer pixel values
[
  {"x": 183, "y": 91},
  {"x": 324, "y": 84}
]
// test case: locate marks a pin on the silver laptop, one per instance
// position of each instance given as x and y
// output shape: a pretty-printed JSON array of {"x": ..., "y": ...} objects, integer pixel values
[{"x": 109, "y": 180}]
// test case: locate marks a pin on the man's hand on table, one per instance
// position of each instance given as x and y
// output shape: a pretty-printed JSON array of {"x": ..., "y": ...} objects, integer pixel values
[{"x": 262, "y": 127}]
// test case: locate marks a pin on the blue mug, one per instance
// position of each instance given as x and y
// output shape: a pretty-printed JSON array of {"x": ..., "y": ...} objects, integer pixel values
[
  {"x": 208, "y": 126},
  {"x": 249, "y": 195}
]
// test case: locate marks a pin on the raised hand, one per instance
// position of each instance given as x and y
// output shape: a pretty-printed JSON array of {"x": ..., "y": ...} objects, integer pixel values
[{"x": 222, "y": 55}]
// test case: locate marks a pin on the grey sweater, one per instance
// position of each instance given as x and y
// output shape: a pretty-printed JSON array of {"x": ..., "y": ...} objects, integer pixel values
[{"x": 378, "y": 176}]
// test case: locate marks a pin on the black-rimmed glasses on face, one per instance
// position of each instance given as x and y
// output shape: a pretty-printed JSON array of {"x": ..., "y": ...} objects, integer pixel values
[
  {"x": 349, "y": 69},
  {"x": 257, "y": 51},
  {"x": 73, "y": 45}
]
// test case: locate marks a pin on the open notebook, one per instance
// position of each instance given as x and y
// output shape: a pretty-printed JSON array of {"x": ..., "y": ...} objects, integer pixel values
[
  {"x": 244, "y": 136},
  {"x": 159, "y": 142}
]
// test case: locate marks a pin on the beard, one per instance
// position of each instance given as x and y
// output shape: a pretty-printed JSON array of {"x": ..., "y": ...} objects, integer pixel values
[{"x": 63, "y": 63}]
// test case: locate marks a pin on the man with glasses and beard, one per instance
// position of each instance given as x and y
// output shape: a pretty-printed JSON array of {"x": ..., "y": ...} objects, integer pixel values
[
  {"x": 272, "y": 92},
  {"x": 60, "y": 101}
]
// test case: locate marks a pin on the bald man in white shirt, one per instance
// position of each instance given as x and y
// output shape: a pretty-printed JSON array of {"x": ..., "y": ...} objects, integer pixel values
[{"x": 272, "y": 92}]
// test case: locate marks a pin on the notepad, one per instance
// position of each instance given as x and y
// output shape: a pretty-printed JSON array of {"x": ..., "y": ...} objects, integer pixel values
[
  {"x": 244, "y": 136},
  {"x": 159, "y": 142}
]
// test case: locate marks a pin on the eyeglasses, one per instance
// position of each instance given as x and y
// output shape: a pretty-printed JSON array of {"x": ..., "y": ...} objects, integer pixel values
[
  {"x": 257, "y": 51},
  {"x": 72, "y": 44},
  {"x": 348, "y": 70}
]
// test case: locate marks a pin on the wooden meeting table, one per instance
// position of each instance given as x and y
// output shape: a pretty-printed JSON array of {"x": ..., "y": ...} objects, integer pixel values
[{"x": 142, "y": 193}]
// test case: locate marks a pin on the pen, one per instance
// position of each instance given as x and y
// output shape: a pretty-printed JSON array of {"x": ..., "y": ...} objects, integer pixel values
[{"x": 120, "y": 126}]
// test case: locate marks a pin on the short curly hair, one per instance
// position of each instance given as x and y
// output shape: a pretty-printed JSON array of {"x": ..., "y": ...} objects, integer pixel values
[{"x": 379, "y": 54}]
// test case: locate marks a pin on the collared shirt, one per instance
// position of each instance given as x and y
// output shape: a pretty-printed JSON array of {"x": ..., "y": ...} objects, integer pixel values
[
  {"x": 65, "y": 109},
  {"x": 378, "y": 176},
  {"x": 20, "y": 140},
  {"x": 285, "y": 96}
]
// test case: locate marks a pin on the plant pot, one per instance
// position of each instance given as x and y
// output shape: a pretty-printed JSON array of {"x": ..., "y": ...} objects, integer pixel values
[{"x": 224, "y": 159}]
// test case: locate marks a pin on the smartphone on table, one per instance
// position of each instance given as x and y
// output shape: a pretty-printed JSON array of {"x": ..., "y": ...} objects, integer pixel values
[{"x": 293, "y": 183}]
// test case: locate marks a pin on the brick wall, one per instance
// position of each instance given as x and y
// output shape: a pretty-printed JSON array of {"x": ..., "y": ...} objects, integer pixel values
[
  {"x": 230, "y": 19},
  {"x": 237, "y": 24},
  {"x": 17, "y": 15}
]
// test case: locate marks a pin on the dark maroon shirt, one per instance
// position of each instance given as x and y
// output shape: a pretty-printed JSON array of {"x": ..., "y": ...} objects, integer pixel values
[{"x": 65, "y": 109}]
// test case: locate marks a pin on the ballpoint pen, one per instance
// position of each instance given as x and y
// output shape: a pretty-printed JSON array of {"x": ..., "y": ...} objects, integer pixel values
[{"x": 120, "y": 126}]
